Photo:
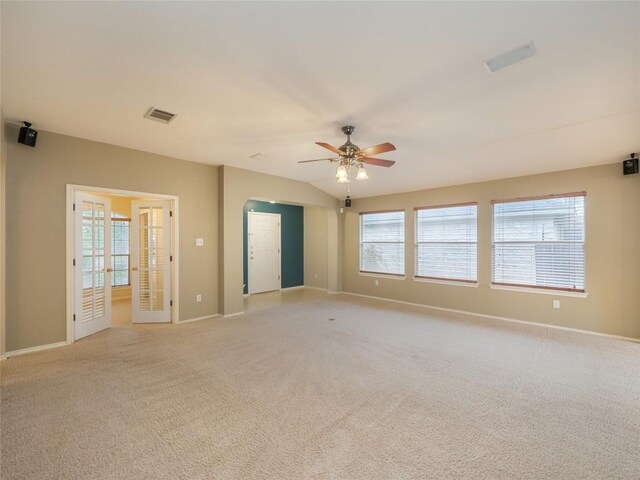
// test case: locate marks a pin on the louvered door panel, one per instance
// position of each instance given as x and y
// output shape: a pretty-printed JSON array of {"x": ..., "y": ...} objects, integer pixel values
[
  {"x": 150, "y": 253},
  {"x": 93, "y": 269}
]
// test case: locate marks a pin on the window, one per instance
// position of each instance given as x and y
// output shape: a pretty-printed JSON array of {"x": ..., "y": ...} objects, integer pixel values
[
  {"x": 382, "y": 242},
  {"x": 120, "y": 250},
  {"x": 539, "y": 242},
  {"x": 447, "y": 242}
]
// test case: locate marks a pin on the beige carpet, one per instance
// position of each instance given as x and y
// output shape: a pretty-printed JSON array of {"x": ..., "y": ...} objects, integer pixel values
[{"x": 384, "y": 391}]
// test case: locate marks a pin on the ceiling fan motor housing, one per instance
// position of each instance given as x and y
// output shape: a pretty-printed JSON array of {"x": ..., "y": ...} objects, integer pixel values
[{"x": 349, "y": 148}]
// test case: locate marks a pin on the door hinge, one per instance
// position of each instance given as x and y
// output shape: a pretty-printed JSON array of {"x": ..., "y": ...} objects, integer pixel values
[
  {"x": 171, "y": 303},
  {"x": 171, "y": 213},
  {"x": 74, "y": 317},
  {"x": 74, "y": 262},
  {"x": 278, "y": 250},
  {"x": 171, "y": 258},
  {"x": 278, "y": 277},
  {"x": 74, "y": 207}
]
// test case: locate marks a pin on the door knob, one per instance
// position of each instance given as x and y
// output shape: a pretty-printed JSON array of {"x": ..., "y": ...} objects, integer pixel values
[
  {"x": 134, "y": 269},
  {"x": 109, "y": 270}
]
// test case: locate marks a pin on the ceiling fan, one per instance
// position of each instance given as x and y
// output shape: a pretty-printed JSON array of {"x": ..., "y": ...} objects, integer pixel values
[{"x": 350, "y": 155}]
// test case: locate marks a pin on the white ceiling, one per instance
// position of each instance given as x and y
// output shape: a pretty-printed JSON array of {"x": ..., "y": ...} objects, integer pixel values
[{"x": 276, "y": 77}]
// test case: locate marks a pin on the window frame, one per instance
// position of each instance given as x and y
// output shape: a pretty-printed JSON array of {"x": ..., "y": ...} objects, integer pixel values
[
  {"x": 403, "y": 243},
  {"x": 416, "y": 243},
  {"x": 113, "y": 255},
  {"x": 538, "y": 288}
]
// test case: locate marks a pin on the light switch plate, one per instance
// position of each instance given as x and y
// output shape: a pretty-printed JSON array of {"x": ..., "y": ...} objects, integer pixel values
[{"x": 199, "y": 242}]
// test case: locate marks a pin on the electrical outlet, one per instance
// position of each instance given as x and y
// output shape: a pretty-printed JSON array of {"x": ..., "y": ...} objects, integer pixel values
[
  {"x": 199, "y": 242},
  {"x": 556, "y": 304},
  {"x": 377, "y": 283},
  {"x": 198, "y": 298}
]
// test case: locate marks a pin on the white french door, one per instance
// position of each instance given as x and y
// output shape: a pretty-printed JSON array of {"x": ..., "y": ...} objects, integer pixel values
[
  {"x": 92, "y": 264},
  {"x": 150, "y": 261},
  {"x": 264, "y": 252}
]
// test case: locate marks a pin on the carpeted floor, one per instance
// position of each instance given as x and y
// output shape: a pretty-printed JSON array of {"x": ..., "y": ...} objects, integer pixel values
[{"x": 384, "y": 391}]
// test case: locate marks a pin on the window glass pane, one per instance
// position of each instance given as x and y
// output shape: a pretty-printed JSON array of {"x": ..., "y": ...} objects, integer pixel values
[
  {"x": 119, "y": 251},
  {"x": 382, "y": 242},
  {"x": 539, "y": 243},
  {"x": 446, "y": 242}
]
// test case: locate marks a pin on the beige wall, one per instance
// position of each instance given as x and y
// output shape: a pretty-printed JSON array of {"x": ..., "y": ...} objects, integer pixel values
[
  {"x": 612, "y": 260},
  {"x": 240, "y": 185},
  {"x": 36, "y": 186},
  {"x": 316, "y": 247},
  {"x": 121, "y": 205},
  {"x": 3, "y": 175}
]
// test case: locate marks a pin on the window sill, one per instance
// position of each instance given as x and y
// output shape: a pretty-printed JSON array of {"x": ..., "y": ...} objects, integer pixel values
[
  {"x": 390, "y": 276},
  {"x": 542, "y": 291},
  {"x": 457, "y": 283}
]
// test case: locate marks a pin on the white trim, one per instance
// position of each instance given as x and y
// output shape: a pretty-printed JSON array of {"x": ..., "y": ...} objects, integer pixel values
[
  {"x": 494, "y": 317},
  {"x": 446, "y": 282},
  {"x": 71, "y": 190},
  {"x": 297, "y": 287},
  {"x": 40, "y": 348},
  {"x": 390, "y": 276},
  {"x": 233, "y": 314},
  {"x": 542, "y": 291},
  {"x": 197, "y": 319}
]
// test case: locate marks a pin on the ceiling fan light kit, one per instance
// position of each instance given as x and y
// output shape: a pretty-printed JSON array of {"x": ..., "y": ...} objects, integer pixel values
[{"x": 350, "y": 155}]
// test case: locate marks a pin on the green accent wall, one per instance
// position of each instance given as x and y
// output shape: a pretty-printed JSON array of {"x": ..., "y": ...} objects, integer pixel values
[{"x": 292, "y": 240}]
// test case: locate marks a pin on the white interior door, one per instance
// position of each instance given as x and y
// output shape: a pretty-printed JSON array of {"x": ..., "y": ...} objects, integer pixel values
[
  {"x": 92, "y": 264},
  {"x": 150, "y": 261},
  {"x": 264, "y": 252}
]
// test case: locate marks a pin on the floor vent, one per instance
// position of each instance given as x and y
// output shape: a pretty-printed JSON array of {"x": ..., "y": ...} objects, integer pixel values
[
  {"x": 331, "y": 319},
  {"x": 160, "y": 115}
]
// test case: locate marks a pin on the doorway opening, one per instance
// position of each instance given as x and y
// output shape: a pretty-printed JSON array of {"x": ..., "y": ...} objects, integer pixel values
[{"x": 122, "y": 259}]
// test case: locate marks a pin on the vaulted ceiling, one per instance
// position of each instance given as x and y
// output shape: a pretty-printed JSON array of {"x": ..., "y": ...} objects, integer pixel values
[{"x": 273, "y": 78}]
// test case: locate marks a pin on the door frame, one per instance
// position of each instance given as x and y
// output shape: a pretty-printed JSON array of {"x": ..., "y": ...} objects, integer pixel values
[
  {"x": 72, "y": 189},
  {"x": 279, "y": 249}
]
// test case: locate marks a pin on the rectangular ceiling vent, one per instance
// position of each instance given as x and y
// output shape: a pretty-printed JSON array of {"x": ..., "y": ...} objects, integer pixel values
[
  {"x": 509, "y": 58},
  {"x": 160, "y": 115}
]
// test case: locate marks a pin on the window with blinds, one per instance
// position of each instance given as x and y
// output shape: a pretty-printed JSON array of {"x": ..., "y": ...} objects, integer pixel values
[
  {"x": 120, "y": 250},
  {"x": 447, "y": 242},
  {"x": 539, "y": 242},
  {"x": 382, "y": 242}
]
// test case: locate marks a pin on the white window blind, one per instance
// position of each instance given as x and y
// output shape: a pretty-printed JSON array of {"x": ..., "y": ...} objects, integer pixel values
[
  {"x": 447, "y": 242},
  {"x": 119, "y": 250},
  {"x": 539, "y": 242},
  {"x": 382, "y": 242}
]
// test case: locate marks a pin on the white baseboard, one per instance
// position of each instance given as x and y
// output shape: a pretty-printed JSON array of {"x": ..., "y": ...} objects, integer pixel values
[
  {"x": 206, "y": 317},
  {"x": 40, "y": 348},
  {"x": 233, "y": 314},
  {"x": 315, "y": 288},
  {"x": 494, "y": 317},
  {"x": 297, "y": 287}
]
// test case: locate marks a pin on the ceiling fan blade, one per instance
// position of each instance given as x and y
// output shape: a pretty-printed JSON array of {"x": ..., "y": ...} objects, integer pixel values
[
  {"x": 330, "y": 147},
  {"x": 318, "y": 160},
  {"x": 382, "y": 148},
  {"x": 377, "y": 161}
]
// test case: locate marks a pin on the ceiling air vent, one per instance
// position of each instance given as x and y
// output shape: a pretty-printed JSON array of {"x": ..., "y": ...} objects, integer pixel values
[
  {"x": 509, "y": 58},
  {"x": 160, "y": 115}
]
